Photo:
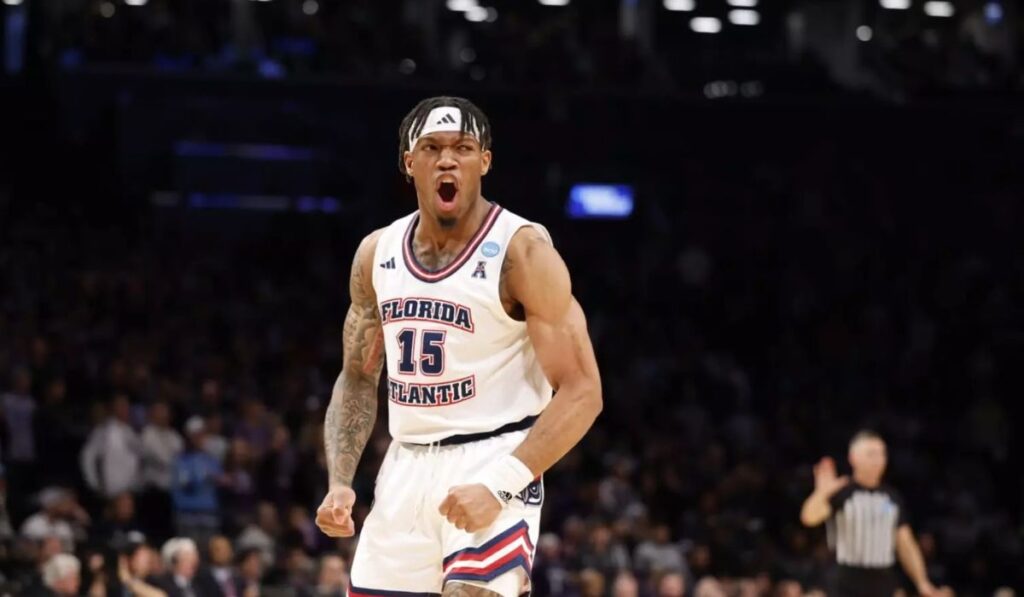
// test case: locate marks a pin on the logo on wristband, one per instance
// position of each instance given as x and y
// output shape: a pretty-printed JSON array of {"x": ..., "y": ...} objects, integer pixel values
[
  {"x": 533, "y": 495},
  {"x": 505, "y": 496}
]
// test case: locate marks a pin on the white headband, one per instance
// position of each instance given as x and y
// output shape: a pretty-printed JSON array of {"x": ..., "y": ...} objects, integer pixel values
[{"x": 444, "y": 119}]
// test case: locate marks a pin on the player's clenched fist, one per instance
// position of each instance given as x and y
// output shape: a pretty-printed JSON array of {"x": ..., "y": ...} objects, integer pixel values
[
  {"x": 470, "y": 507},
  {"x": 334, "y": 516}
]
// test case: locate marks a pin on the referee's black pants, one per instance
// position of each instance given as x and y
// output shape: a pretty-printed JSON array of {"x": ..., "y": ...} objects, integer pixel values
[{"x": 865, "y": 582}]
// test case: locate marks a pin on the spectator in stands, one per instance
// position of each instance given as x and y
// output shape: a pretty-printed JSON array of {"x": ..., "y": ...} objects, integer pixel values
[
  {"x": 17, "y": 415},
  {"x": 119, "y": 521},
  {"x": 217, "y": 445},
  {"x": 591, "y": 583},
  {"x": 262, "y": 536},
  {"x": 61, "y": 577},
  {"x": 161, "y": 445},
  {"x": 709, "y": 587},
  {"x": 239, "y": 492},
  {"x": 6, "y": 528},
  {"x": 65, "y": 430},
  {"x": 194, "y": 493},
  {"x": 672, "y": 585},
  {"x": 788, "y": 588},
  {"x": 625, "y": 585},
  {"x": 111, "y": 458},
  {"x": 221, "y": 566},
  {"x": 658, "y": 554},
  {"x": 60, "y": 512},
  {"x": 332, "y": 577},
  {"x": 603, "y": 553},
  {"x": 181, "y": 557},
  {"x": 250, "y": 571}
]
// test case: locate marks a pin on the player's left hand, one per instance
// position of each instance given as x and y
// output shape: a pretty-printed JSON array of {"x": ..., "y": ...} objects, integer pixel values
[
  {"x": 470, "y": 507},
  {"x": 927, "y": 589}
]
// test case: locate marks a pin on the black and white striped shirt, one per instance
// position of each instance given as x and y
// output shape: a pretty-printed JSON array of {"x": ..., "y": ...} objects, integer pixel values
[{"x": 862, "y": 528}]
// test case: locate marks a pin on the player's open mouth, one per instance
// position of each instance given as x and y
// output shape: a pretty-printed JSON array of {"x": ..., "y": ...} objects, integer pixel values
[{"x": 446, "y": 192}]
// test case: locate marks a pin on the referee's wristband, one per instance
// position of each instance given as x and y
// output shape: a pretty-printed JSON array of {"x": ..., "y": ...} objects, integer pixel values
[{"x": 506, "y": 478}]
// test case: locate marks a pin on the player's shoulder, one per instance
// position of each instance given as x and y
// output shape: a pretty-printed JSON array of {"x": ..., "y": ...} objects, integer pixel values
[
  {"x": 368, "y": 245},
  {"x": 531, "y": 253},
  {"x": 523, "y": 230}
]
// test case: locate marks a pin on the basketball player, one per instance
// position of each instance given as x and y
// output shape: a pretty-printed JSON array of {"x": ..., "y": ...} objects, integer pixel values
[
  {"x": 867, "y": 523},
  {"x": 472, "y": 308}
]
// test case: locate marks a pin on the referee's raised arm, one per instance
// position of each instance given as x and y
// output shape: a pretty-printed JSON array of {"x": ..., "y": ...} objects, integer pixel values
[{"x": 817, "y": 507}]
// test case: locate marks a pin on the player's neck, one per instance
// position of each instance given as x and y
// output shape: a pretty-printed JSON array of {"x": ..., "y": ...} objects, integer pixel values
[{"x": 430, "y": 231}]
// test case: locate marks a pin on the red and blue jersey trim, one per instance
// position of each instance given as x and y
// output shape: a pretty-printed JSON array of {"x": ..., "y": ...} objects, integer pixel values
[
  {"x": 487, "y": 562},
  {"x": 427, "y": 275}
]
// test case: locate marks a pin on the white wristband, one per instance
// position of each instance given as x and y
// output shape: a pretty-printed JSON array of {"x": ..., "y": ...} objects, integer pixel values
[{"x": 506, "y": 478}]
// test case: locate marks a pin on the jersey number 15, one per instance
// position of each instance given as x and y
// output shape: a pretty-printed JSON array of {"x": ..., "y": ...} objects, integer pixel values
[{"x": 431, "y": 359}]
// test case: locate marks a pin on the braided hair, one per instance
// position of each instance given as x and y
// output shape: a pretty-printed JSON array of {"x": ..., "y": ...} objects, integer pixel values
[{"x": 413, "y": 123}]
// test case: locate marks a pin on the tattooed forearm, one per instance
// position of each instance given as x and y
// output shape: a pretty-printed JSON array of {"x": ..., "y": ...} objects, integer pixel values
[
  {"x": 347, "y": 425},
  {"x": 353, "y": 408}
]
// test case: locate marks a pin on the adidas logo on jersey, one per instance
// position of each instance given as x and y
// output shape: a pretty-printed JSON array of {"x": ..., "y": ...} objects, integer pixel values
[{"x": 389, "y": 264}]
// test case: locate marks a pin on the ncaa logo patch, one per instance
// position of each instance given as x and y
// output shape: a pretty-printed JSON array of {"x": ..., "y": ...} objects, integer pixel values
[{"x": 490, "y": 249}]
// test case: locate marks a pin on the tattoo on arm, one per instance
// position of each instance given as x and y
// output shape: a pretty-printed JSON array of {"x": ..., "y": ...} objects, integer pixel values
[{"x": 353, "y": 407}]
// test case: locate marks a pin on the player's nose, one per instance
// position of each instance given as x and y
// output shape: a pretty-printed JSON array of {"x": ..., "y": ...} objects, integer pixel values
[{"x": 447, "y": 160}]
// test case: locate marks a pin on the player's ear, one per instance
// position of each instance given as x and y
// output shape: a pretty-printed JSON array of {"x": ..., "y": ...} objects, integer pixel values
[
  {"x": 408, "y": 163},
  {"x": 485, "y": 159}
]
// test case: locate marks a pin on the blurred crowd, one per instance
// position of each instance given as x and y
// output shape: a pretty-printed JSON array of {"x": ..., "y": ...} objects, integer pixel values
[
  {"x": 164, "y": 378},
  {"x": 584, "y": 45}
]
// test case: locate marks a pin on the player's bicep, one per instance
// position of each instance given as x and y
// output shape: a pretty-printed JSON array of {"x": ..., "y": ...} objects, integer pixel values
[
  {"x": 554, "y": 319},
  {"x": 563, "y": 347}
]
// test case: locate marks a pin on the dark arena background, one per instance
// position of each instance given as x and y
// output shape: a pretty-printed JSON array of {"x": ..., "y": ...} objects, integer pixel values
[{"x": 786, "y": 221}]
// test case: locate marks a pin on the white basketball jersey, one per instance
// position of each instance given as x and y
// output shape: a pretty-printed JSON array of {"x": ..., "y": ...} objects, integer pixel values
[{"x": 457, "y": 363}]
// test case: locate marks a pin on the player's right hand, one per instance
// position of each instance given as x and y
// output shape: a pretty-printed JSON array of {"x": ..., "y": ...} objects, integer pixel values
[
  {"x": 825, "y": 480},
  {"x": 334, "y": 516}
]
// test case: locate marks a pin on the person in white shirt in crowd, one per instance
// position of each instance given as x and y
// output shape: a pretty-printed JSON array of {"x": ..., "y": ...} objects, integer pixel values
[
  {"x": 111, "y": 458},
  {"x": 161, "y": 444},
  {"x": 658, "y": 554},
  {"x": 216, "y": 444},
  {"x": 59, "y": 511}
]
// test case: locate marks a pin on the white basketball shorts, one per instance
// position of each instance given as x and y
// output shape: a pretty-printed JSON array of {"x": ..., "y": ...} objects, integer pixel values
[{"x": 406, "y": 548}]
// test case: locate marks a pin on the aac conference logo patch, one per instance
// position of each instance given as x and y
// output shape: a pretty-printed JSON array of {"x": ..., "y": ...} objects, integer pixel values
[{"x": 490, "y": 249}]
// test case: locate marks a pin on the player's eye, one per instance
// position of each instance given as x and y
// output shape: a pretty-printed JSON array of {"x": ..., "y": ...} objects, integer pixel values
[
  {"x": 430, "y": 147},
  {"x": 465, "y": 147}
]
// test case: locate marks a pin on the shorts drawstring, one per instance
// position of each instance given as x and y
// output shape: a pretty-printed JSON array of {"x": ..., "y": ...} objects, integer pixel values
[{"x": 430, "y": 454}]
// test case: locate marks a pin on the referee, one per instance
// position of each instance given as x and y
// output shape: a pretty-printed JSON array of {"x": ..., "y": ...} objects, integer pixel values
[{"x": 867, "y": 524}]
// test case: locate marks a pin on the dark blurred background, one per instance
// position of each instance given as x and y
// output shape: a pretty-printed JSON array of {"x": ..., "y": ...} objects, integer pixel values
[{"x": 826, "y": 235}]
